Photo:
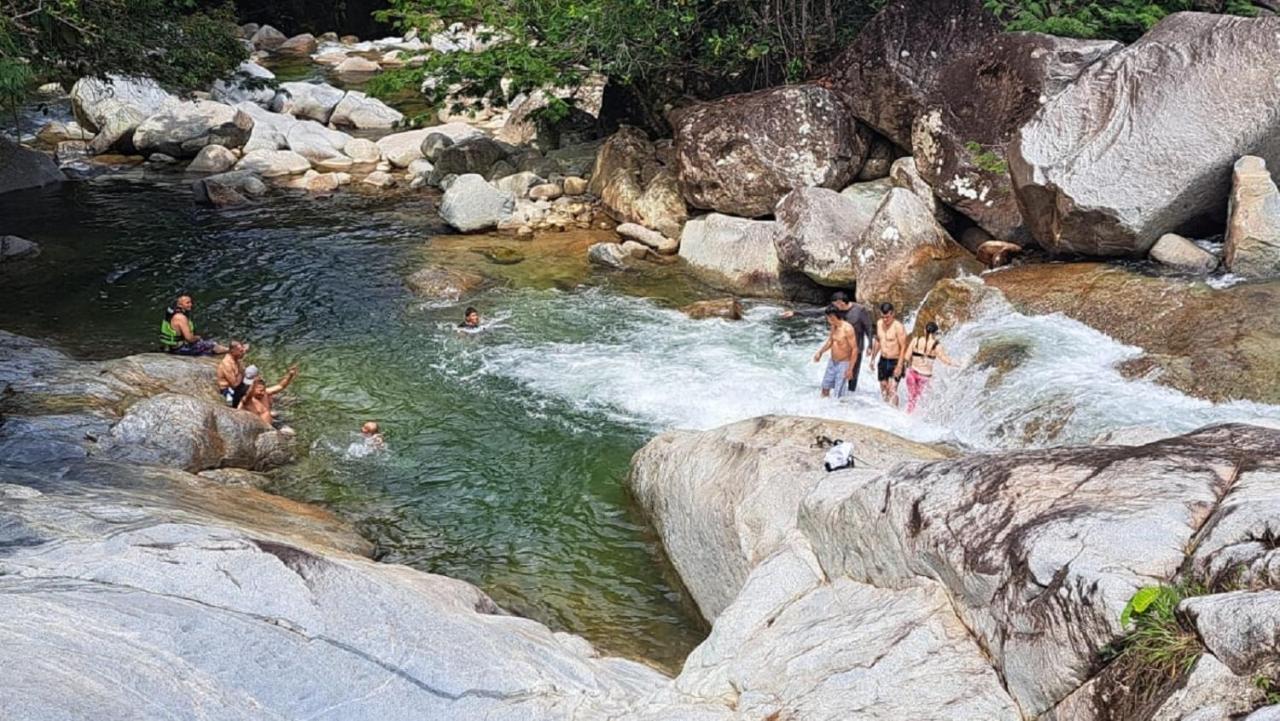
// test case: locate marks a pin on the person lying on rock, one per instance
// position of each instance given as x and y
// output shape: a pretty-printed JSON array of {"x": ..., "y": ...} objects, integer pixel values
[
  {"x": 891, "y": 345},
  {"x": 842, "y": 342},
  {"x": 257, "y": 400},
  {"x": 231, "y": 373},
  {"x": 924, "y": 351},
  {"x": 178, "y": 331}
]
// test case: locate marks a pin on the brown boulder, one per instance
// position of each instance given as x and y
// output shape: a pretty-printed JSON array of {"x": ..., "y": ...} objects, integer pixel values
[
  {"x": 1143, "y": 142},
  {"x": 888, "y": 75},
  {"x": 982, "y": 100},
  {"x": 727, "y": 308},
  {"x": 996, "y": 253},
  {"x": 903, "y": 252},
  {"x": 634, "y": 187},
  {"x": 440, "y": 283},
  {"x": 741, "y": 154},
  {"x": 1253, "y": 226}
]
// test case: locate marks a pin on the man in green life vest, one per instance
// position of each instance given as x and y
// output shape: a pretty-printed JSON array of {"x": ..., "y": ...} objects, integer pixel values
[{"x": 178, "y": 331}]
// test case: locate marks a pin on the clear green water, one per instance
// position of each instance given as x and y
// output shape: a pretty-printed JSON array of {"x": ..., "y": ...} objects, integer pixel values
[{"x": 487, "y": 480}]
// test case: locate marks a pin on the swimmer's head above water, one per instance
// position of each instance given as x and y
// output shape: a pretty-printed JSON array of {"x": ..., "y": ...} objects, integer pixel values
[
  {"x": 370, "y": 428},
  {"x": 471, "y": 319}
]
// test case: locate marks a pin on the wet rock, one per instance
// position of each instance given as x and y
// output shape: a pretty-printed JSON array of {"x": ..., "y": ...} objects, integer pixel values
[
  {"x": 629, "y": 193},
  {"x": 69, "y": 151},
  {"x": 1156, "y": 109},
  {"x": 298, "y": 45},
  {"x": 315, "y": 142},
  {"x": 982, "y": 99},
  {"x": 251, "y": 83},
  {"x": 476, "y": 154},
  {"x": 115, "y": 106},
  {"x": 636, "y": 251},
  {"x": 379, "y": 179},
  {"x": 228, "y": 189},
  {"x": 195, "y": 434},
  {"x": 14, "y": 248},
  {"x": 403, "y": 148},
  {"x": 472, "y": 204},
  {"x": 22, "y": 168},
  {"x": 903, "y": 252},
  {"x": 356, "y": 65},
  {"x": 648, "y": 238},
  {"x": 362, "y": 112},
  {"x": 609, "y": 255},
  {"x": 442, "y": 283},
  {"x": 337, "y": 163},
  {"x": 321, "y": 183},
  {"x": 502, "y": 256},
  {"x": 362, "y": 150},
  {"x": 267, "y": 38},
  {"x": 890, "y": 72},
  {"x": 573, "y": 186},
  {"x": 212, "y": 159},
  {"x": 1253, "y": 225},
  {"x": 314, "y": 101},
  {"x": 273, "y": 163},
  {"x": 1177, "y": 252},
  {"x": 54, "y": 132},
  {"x": 741, "y": 154},
  {"x": 723, "y": 501},
  {"x": 734, "y": 254},
  {"x": 726, "y": 308},
  {"x": 818, "y": 230}
]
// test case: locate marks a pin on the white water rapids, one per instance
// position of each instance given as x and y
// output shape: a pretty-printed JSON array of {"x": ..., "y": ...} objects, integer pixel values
[{"x": 638, "y": 363}]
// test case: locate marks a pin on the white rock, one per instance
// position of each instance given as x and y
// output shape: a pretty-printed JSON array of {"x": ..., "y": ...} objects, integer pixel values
[
  {"x": 270, "y": 130},
  {"x": 472, "y": 204},
  {"x": 273, "y": 163},
  {"x": 181, "y": 130},
  {"x": 361, "y": 111},
  {"x": 307, "y": 100},
  {"x": 734, "y": 254},
  {"x": 362, "y": 150},
  {"x": 355, "y": 65},
  {"x": 1176, "y": 251},
  {"x": 233, "y": 90},
  {"x": 315, "y": 142},
  {"x": 116, "y": 106},
  {"x": 379, "y": 179},
  {"x": 649, "y": 238},
  {"x": 212, "y": 159},
  {"x": 403, "y": 148}
]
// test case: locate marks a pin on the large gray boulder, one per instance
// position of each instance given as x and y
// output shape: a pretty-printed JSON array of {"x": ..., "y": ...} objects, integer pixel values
[
  {"x": 469, "y": 155},
  {"x": 818, "y": 230},
  {"x": 251, "y": 83},
  {"x": 1253, "y": 223},
  {"x": 212, "y": 159},
  {"x": 182, "y": 130},
  {"x": 315, "y": 101},
  {"x": 267, "y": 38},
  {"x": 1241, "y": 628},
  {"x": 115, "y": 106},
  {"x": 270, "y": 130},
  {"x": 315, "y": 142},
  {"x": 13, "y": 247},
  {"x": 22, "y": 168},
  {"x": 734, "y": 254},
  {"x": 741, "y": 154},
  {"x": 723, "y": 501},
  {"x": 403, "y": 148},
  {"x": 472, "y": 204},
  {"x": 982, "y": 99},
  {"x": 1140, "y": 145},
  {"x": 358, "y": 110},
  {"x": 889, "y": 74}
]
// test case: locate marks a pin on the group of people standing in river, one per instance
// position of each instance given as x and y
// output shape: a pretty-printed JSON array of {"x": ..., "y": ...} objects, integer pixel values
[{"x": 892, "y": 354}]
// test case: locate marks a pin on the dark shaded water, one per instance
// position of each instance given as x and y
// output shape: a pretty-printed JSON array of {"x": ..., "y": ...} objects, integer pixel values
[{"x": 486, "y": 480}]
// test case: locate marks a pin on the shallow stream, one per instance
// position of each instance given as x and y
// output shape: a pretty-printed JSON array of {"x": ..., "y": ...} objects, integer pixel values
[{"x": 508, "y": 448}]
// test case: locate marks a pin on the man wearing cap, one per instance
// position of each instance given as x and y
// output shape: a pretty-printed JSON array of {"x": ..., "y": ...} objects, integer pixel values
[
  {"x": 231, "y": 381},
  {"x": 257, "y": 399}
]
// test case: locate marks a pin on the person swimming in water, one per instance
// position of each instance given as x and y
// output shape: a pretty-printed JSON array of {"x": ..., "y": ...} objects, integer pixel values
[
  {"x": 258, "y": 399},
  {"x": 470, "y": 320},
  {"x": 924, "y": 351},
  {"x": 371, "y": 436}
]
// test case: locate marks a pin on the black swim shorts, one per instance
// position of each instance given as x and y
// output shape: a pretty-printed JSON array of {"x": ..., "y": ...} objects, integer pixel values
[{"x": 885, "y": 368}]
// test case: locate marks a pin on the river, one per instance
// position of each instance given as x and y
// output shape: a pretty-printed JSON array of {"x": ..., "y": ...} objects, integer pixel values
[{"x": 508, "y": 448}]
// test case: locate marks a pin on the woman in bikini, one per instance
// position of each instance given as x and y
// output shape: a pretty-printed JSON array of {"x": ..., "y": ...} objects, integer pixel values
[{"x": 924, "y": 350}]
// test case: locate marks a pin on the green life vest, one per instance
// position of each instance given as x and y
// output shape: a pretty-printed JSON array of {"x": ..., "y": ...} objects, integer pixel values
[{"x": 169, "y": 338}]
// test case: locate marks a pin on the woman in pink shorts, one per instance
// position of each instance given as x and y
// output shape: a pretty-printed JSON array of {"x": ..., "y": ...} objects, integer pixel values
[{"x": 923, "y": 351}]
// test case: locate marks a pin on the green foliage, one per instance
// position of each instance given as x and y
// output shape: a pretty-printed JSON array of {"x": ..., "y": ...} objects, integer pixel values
[
  {"x": 183, "y": 44},
  {"x": 1270, "y": 688},
  {"x": 985, "y": 159},
  {"x": 1124, "y": 20},
  {"x": 657, "y": 50},
  {"x": 1159, "y": 644}
]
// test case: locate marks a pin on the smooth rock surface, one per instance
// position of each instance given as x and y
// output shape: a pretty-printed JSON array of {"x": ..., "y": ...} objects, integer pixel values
[
  {"x": 212, "y": 159},
  {"x": 273, "y": 163},
  {"x": 818, "y": 230},
  {"x": 13, "y": 248},
  {"x": 115, "y": 106},
  {"x": 1241, "y": 628},
  {"x": 741, "y": 154},
  {"x": 22, "y": 168},
  {"x": 403, "y": 148},
  {"x": 1139, "y": 146},
  {"x": 244, "y": 86},
  {"x": 314, "y": 101},
  {"x": 650, "y": 238},
  {"x": 228, "y": 189},
  {"x": 1177, "y": 252},
  {"x": 609, "y": 255},
  {"x": 734, "y": 254},
  {"x": 315, "y": 142},
  {"x": 362, "y": 112},
  {"x": 182, "y": 130},
  {"x": 472, "y": 204},
  {"x": 1253, "y": 222}
]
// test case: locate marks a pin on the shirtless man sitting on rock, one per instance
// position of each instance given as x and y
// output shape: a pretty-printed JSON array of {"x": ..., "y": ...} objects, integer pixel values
[
  {"x": 842, "y": 341},
  {"x": 891, "y": 344},
  {"x": 259, "y": 397}
]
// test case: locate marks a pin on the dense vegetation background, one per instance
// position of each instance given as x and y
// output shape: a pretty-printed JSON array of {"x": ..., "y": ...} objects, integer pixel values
[{"x": 655, "y": 52}]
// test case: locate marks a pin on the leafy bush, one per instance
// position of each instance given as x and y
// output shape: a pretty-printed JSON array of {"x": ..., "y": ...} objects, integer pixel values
[
  {"x": 986, "y": 159},
  {"x": 1124, "y": 20},
  {"x": 1159, "y": 651}
]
